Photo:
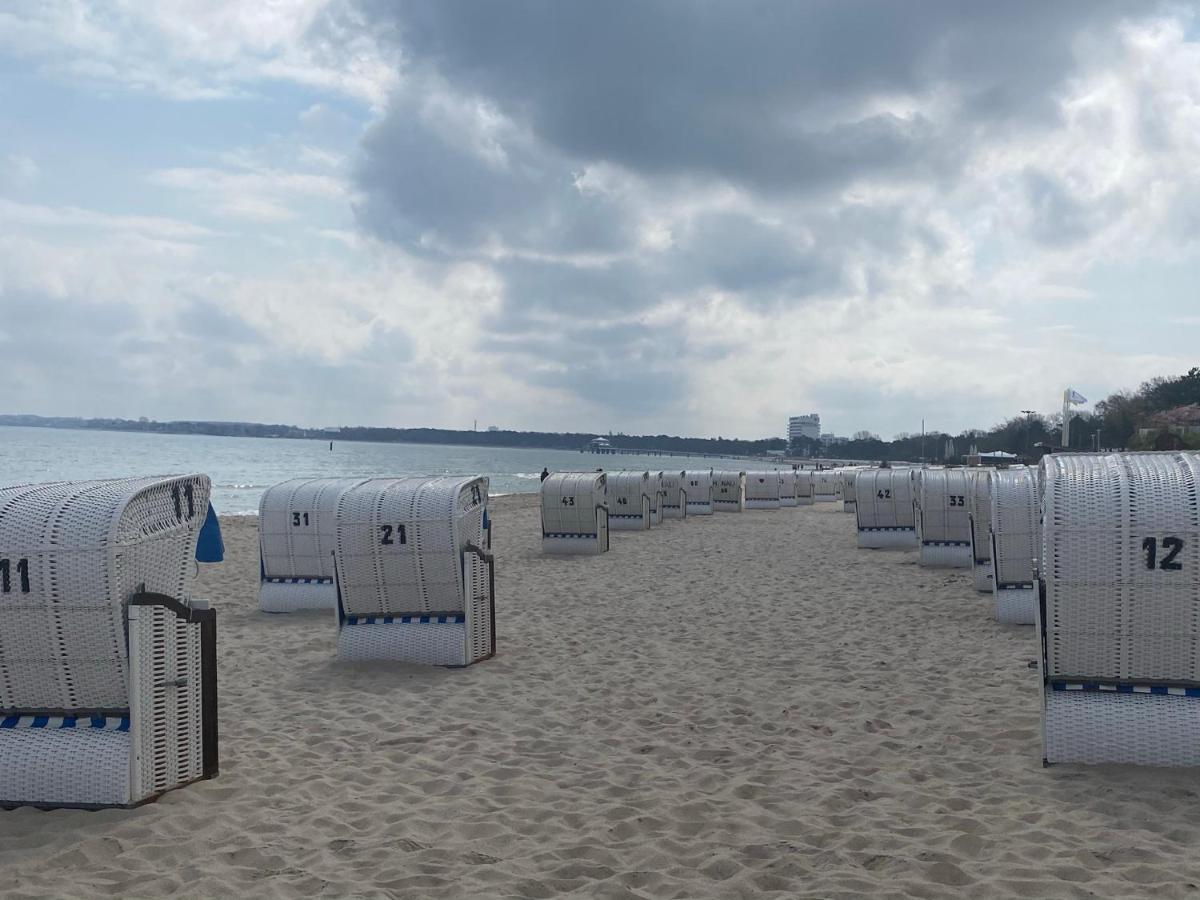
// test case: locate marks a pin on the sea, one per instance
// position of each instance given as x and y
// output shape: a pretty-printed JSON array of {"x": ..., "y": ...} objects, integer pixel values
[{"x": 242, "y": 468}]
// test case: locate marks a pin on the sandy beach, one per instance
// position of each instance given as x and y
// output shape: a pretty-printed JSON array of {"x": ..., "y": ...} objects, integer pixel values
[{"x": 731, "y": 706}]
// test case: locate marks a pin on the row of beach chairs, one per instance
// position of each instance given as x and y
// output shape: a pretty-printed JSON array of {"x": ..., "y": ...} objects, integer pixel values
[
  {"x": 1098, "y": 553},
  {"x": 108, "y": 679},
  {"x": 580, "y": 509}
]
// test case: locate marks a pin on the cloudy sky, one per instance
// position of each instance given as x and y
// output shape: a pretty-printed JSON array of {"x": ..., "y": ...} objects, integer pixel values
[{"x": 646, "y": 216}]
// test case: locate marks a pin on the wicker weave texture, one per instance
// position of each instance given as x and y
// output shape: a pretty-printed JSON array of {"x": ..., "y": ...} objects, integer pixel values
[
  {"x": 699, "y": 488},
  {"x": 887, "y": 539},
  {"x": 575, "y": 513},
  {"x": 629, "y": 501},
  {"x": 1015, "y": 606},
  {"x": 1015, "y": 528},
  {"x": 827, "y": 485},
  {"x": 674, "y": 495},
  {"x": 166, "y": 717},
  {"x": 1121, "y": 564},
  {"x": 431, "y": 644},
  {"x": 71, "y": 554},
  {"x": 400, "y": 543},
  {"x": 979, "y": 502},
  {"x": 942, "y": 502},
  {"x": 297, "y": 526},
  {"x": 762, "y": 490},
  {"x": 729, "y": 491},
  {"x": 64, "y": 766},
  {"x": 1130, "y": 729},
  {"x": 883, "y": 498}
]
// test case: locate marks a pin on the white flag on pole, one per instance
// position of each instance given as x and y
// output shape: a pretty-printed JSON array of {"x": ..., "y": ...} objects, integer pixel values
[{"x": 1074, "y": 396}]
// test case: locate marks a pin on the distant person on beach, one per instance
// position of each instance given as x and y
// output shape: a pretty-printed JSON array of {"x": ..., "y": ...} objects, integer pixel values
[{"x": 545, "y": 473}]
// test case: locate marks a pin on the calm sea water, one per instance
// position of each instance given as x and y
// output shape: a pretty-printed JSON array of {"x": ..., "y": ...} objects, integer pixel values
[{"x": 242, "y": 468}]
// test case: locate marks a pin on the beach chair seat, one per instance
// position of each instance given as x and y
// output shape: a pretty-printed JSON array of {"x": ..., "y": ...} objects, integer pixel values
[
  {"x": 1016, "y": 544},
  {"x": 630, "y": 502},
  {"x": 575, "y": 513},
  {"x": 762, "y": 490},
  {"x": 1120, "y": 602},
  {"x": 943, "y": 519},
  {"x": 415, "y": 578},
  {"x": 699, "y": 488},
  {"x": 675, "y": 498},
  {"x": 884, "y": 510},
  {"x": 729, "y": 491},
  {"x": 107, "y": 667},
  {"x": 297, "y": 522},
  {"x": 979, "y": 505}
]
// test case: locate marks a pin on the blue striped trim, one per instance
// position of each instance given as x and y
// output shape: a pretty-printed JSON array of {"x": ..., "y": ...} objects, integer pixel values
[
  {"x": 456, "y": 619},
  {"x": 1015, "y": 586},
  {"x": 96, "y": 723},
  {"x": 298, "y": 580},
  {"x": 1121, "y": 687},
  {"x": 556, "y": 534},
  {"x": 888, "y": 528},
  {"x": 946, "y": 543},
  {"x": 627, "y": 515}
]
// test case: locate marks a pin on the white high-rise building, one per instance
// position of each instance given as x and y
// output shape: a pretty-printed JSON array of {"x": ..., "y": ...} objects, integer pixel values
[{"x": 808, "y": 426}]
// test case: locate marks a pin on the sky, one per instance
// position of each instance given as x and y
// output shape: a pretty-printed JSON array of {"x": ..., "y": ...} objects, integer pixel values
[{"x": 645, "y": 216}]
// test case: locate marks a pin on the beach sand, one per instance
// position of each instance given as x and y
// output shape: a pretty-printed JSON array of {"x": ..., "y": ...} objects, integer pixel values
[{"x": 724, "y": 707}]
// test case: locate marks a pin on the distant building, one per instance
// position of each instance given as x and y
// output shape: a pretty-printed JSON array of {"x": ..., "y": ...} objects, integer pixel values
[
  {"x": 493, "y": 428},
  {"x": 830, "y": 439},
  {"x": 808, "y": 426},
  {"x": 599, "y": 443}
]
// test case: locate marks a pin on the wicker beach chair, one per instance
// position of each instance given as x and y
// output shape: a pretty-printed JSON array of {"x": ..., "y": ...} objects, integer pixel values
[
  {"x": 804, "y": 487},
  {"x": 884, "y": 509},
  {"x": 827, "y": 486},
  {"x": 108, "y": 683},
  {"x": 1120, "y": 582},
  {"x": 699, "y": 488},
  {"x": 762, "y": 490},
  {"x": 657, "y": 497},
  {"x": 629, "y": 501},
  {"x": 787, "y": 487},
  {"x": 943, "y": 518},
  {"x": 849, "y": 497},
  {"x": 297, "y": 523},
  {"x": 675, "y": 496},
  {"x": 575, "y": 513},
  {"x": 979, "y": 505},
  {"x": 729, "y": 491},
  {"x": 1016, "y": 543},
  {"x": 415, "y": 575}
]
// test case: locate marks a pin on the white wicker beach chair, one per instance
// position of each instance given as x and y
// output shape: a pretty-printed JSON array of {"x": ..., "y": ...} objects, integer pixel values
[
  {"x": 575, "y": 513},
  {"x": 787, "y": 487},
  {"x": 415, "y": 577},
  {"x": 884, "y": 509},
  {"x": 979, "y": 503},
  {"x": 1016, "y": 542},
  {"x": 729, "y": 491},
  {"x": 804, "y": 487},
  {"x": 1118, "y": 622},
  {"x": 849, "y": 496},
  {"x": 699, "y": 488},
  {"x": 297, "y": 522},
  {"x": 657, "y": 497},
  {"x": 675, "y": 497},
  {"x": 827, "y": 486},
  {"x": 762, "y": 490},
  {"x": 108, "y": 682},
  {"x": 943, "y": 518},
  {"x": 629, "y": 501}
]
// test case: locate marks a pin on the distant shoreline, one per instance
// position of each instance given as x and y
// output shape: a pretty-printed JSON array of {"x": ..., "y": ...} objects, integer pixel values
[{"x": 500, "y": 438}]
